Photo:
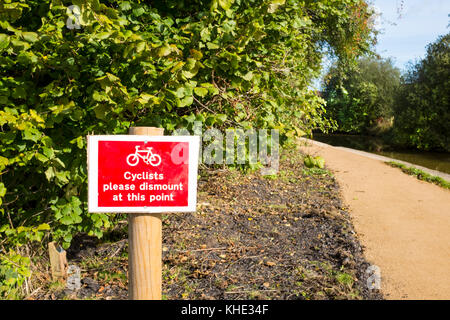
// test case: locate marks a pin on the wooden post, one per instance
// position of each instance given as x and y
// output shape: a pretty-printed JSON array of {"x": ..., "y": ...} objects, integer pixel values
[
  {"x": 145, "y": 245},
  {"x": 58, "y": 261}
]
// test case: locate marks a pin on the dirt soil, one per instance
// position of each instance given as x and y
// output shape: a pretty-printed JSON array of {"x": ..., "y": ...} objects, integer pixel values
[
  {"x": 252, "y": 237},
  {"x": 403, "y": 223}
]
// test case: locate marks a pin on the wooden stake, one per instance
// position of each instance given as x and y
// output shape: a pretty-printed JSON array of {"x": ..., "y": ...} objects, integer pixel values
[
  {"x": 145, "y": 245},
  {"x": 58, "y": 261}
]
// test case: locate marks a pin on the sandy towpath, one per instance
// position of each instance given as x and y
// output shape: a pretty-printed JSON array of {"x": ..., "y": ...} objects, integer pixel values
[{"x": 403, "y": 223}]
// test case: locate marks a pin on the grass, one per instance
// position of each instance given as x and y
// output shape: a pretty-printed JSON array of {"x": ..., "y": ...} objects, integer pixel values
[
  {"x": 421, "y": 175},
  {"x": 316, "y": 171},
  {"x": 284, "y": 175},
  {"x": 345, "y": 279}
]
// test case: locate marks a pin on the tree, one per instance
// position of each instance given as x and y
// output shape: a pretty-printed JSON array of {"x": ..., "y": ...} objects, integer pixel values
[
  {"x": 362, "y": 98},
  {"x": 422, "y": 113}
]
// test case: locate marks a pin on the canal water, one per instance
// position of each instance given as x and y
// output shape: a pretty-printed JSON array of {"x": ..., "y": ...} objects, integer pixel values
[{"x": 432, "y": 160}]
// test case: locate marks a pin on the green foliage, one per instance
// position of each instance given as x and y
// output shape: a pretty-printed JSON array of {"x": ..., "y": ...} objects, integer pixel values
[
  {"x": 421, "y": 175},
  {"x": 362, "y": 98},
  {"x": 242, "y": 64},
  {"x": 422, "y": 110},
  {"x": 314, "y": 162},
  {"x": 14, "y": 270},
  {"x": 345, "y": 279}
]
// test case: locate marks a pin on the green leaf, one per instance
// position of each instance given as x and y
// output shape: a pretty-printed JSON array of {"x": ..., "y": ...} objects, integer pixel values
[
  {"x": 248, "y": 76},
  {"x": 308, "y": 161},
  {"x": 164, "y": 51},
  {"x": 196, "y": 54},
  {"x": 190, "y": 64},
  {"x": 201, "y": 92},
  {"x": 226, "y": 4},
  {"x": 186, "y": 101},
  {"x": 4, "y": 41},
  {"x": 145, "y": 98},
  {"x": 221, "y": 117},
  {"x": 178, "y": 66},
  {"x": 101, "y": 111},
  {"x": 2, "y": 189},
  {"x": 274, "y": 4},
  {"x": 3, "y": 162},
  {"x": 50, "y": 173},
  {"x": 191, "y": 69},
  {"x": 125, "y": 6},
  {"x": 20, "y": 45},
  {"x": 319, "y": 162},
  {"x": 41, "y": 157},
  {"x": 189, "y": 73},
  {"x": 180, "y": 92},
  {"x": 212, "y": 46},
  {"x": 26, "y": 58},
  {"x": 48, "y": 152},
  {"x": 139, "y": 11},
  {"x": 30, "y": 36},
  {"x": 100, "y": 96},
  {"x": 58, "y": 160},
  {"x": 61, "y": 176},
  {"x": 32, "y": 134},
  {"x": 43, "y": 226},
  {"x": 190, "y": 118},
  {"x": 140, "y": 46},
  {"x": 103, "y": 35},
  {"x": 211, "y": 88},
  {"x": 205, "y": 35},
  {"x": 67, "y": 220},
  {"x": 79, "y": 141},
  {"x": 200, "y": 117}
]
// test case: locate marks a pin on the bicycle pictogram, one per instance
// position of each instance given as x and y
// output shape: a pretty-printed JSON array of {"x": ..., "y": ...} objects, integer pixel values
[{"x": 146, "y": 154}]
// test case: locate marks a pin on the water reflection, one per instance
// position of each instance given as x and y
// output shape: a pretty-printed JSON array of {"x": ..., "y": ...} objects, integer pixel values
[{"x": 433, "y": 160}]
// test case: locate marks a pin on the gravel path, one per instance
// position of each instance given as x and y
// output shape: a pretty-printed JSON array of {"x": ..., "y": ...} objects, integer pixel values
[{"x": 403, "y": 223}]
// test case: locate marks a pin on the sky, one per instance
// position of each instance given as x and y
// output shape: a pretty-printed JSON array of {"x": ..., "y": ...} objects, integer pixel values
[{"x": 408, "y": 26}]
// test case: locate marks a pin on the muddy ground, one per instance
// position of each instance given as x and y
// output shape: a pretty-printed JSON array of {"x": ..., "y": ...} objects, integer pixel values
[{"x": 275, "y": 237}]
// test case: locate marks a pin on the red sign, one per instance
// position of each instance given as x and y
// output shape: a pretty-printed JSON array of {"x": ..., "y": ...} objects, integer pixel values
[{"x": 142, "y": 173}]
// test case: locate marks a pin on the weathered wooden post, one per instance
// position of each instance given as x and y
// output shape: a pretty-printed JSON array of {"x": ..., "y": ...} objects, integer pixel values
[
  {"x": 145, "y": 245},
  {"x": 58, "y": 261}
]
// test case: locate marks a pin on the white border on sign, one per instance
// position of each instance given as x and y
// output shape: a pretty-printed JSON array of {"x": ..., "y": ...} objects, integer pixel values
[{"x": 92, "y": 163}]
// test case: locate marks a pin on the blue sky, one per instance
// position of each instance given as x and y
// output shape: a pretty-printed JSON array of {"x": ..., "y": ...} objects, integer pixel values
[{"x": 408, "y": 26}]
